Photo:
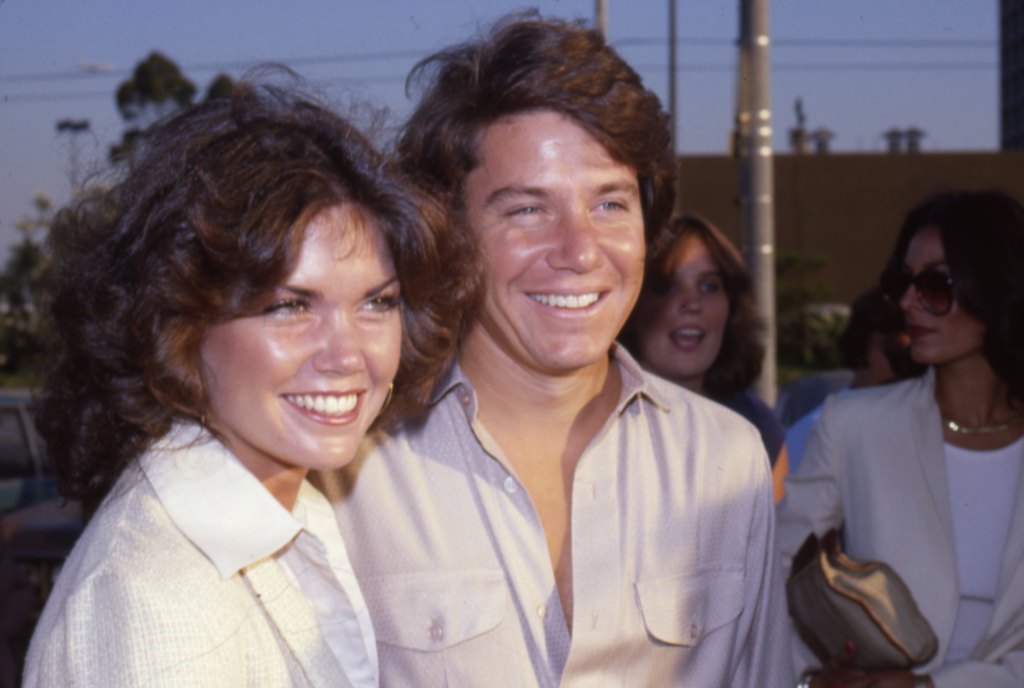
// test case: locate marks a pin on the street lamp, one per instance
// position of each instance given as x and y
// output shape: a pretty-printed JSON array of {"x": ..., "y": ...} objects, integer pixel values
[{"x": 74, "y": 128}]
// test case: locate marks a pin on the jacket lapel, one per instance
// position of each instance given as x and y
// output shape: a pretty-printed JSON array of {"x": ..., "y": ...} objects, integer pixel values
[
  {"x": 295, "y": 623},
  {"x": 926, "y": 435}
]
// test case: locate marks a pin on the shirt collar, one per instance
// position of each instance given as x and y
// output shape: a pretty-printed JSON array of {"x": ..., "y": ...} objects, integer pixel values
[
  {"x": 636, "y": 382},
  {"x": 215, "y": 501}
]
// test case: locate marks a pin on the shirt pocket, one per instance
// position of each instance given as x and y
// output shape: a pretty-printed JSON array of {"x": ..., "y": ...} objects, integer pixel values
[
  {"x": 683, "y": 609},
  {"x": 433, "y": 611}
]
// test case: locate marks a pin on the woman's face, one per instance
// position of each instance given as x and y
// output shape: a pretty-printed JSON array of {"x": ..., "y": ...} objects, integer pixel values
[
  {"x": 936, "y": 339},
  {"x": 681, "y": 319},
  {"x": 296, "y": 385}
]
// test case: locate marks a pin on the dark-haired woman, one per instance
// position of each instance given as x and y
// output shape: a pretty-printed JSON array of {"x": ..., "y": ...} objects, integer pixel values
[
  {"x": 227, "y": 317},
  {"x": 696, "y": 324},
  {"x": 926, "y": 474}
]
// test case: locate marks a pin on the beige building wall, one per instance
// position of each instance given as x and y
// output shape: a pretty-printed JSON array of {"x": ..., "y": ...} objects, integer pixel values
[{"x": 847, "y": 207}]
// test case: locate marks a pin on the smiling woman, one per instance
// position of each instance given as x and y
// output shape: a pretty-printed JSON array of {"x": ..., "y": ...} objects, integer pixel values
[
  {"x": 696, "y": 323},
  {"x": 226, "y": 317}
]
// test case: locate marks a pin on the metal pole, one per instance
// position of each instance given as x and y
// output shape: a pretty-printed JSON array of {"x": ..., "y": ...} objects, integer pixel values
[
  {"x": 754, "y": 147},
  {"x": 672, "y": 105},
  {"x": 601, "y": 12}
]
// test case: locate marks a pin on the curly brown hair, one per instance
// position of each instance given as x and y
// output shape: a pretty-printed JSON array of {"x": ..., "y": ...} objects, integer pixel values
[
  {"x": 207, "y": 218},
  {"x": 526, "y": 64},
  {"x": 741, "y": 355}
]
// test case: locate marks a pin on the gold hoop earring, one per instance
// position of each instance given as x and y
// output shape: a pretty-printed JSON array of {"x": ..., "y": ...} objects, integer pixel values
[{"x": 391, "y": 392}]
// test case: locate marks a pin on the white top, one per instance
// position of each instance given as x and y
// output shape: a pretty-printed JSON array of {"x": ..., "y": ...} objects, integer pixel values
[
  {"x": 198, "y": 485},
  {"x": 982, "y": 493}
]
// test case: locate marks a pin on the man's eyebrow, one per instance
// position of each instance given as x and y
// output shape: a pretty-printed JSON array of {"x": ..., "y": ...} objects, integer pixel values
[
  {"x": 625, "y": 186},
  {"x": 514, "y": 192},
  {"x": 629, "y": 187}
]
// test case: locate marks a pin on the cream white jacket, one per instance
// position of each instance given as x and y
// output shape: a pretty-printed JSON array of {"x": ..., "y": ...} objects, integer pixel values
[
  {"x": 139, "y": 604},
  {"x": 875, "y": 464}
]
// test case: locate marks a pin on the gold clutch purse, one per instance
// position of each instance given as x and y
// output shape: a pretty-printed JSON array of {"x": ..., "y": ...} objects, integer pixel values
[{"x": 834, "y": 599}]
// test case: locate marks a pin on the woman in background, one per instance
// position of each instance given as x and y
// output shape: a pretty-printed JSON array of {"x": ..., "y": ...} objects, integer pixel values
[
  {"x": 225, "y": 318},
  {"x": 925, "y": 474},
  {"x": 696, "y": 324}
]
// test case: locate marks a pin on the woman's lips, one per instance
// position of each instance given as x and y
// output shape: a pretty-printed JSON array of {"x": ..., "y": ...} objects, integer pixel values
[
  {"x": 687, "y": 338},
  {"x": 916, "y": 331},
  {"x": 327, "y": 408}
]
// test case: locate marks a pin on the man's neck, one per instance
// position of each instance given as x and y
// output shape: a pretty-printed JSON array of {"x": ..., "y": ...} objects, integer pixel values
[{"x": 510, "y": 393}]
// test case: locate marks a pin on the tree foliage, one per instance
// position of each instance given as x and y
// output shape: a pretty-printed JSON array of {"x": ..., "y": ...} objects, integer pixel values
[
  {"x": 807, "y": 331},
  {"x": 19, "y": 290},
  {"x": 156, "y": 89}
]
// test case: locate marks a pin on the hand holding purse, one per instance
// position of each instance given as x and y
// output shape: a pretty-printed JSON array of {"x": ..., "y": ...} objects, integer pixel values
[{"x": 834, "y": 599}]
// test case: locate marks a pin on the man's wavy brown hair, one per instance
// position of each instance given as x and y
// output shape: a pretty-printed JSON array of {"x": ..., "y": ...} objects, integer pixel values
[{"x": 527, "y": 64}]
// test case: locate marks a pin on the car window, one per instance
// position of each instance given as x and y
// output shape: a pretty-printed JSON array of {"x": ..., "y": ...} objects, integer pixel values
[{"x": 16, "y": 459}]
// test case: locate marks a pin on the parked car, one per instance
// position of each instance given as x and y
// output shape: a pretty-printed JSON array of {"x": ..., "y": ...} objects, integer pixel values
[
  {"x": 24, "y": 478},
  {"x": 38, "y": 528}
]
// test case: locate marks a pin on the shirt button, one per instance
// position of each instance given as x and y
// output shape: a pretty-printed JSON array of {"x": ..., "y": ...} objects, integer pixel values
[
  {"x": 464, "y": 398},
  {"x": 436, "y": 632},
  {"x": 542, "y": 611},
  {"x": 510, "y": 485}
]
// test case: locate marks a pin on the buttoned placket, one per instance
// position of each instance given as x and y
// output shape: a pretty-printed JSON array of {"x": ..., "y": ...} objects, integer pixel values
[
  {"x": 512, "y": 511},
  {"x": 596, "y": 543}
]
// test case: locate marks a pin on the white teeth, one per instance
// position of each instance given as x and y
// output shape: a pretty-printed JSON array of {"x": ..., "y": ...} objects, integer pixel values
[
  {"x": 570, "y": 301},
  {"x": 327, "y": 404}
]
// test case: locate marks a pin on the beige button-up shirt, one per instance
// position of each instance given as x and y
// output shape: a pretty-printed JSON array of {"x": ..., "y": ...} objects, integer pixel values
[{"x": 672, "y": 531}]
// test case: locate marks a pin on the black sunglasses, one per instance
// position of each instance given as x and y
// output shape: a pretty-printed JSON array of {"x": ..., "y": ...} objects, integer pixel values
[{"x": 934, "y": 288}]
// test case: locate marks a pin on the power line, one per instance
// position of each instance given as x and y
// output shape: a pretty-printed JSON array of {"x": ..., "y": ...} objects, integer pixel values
[
  {"x": 909, "y": 43},
  {"x": 120, "y": 73},
  {"x": 16, "y": 98},
  {"x": 837, "y": 67},
  {"x": 417, "y": 54}
]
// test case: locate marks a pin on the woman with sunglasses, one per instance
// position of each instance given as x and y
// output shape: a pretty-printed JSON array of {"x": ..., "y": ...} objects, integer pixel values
[{"x": 926, "y": 475}]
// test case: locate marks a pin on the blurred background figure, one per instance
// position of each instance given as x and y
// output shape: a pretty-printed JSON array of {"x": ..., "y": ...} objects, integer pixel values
[
  {"x": 875, "y": 347},
  {"x": 696, "y": 324},
  {"x": 925, "y": 474}
]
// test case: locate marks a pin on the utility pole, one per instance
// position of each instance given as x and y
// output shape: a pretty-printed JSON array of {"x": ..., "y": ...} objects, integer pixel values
[
  {"x": 601, "y": 14},
  {"x": 754, "y": 149},
  {"x": 673, "y": 110}
]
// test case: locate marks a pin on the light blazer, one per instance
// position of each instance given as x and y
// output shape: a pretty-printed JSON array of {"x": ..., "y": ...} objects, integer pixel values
[
  {"x": 137, "y": 604},
  {"x": 875, "y": 463}
]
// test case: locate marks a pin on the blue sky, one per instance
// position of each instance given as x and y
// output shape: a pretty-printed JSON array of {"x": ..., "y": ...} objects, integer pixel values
[{"x": 860, "y": 66}]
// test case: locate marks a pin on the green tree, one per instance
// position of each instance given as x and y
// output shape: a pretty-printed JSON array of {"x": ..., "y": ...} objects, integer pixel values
[
  {"x": 156, "y": 89},
  {"x": 19, "y": 289},
  {"x": 806, "y": 335}
]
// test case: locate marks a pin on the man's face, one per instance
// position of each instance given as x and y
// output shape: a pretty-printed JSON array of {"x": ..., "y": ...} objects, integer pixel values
[{"x": 561, "y": 232}]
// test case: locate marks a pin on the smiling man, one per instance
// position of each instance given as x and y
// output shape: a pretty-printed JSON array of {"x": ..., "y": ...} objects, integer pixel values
[{"x": 559, "y": 517}]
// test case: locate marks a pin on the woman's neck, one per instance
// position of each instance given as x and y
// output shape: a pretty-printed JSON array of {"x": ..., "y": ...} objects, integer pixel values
[
  {"x": 971, "y": 393},
  {"x": 975, "y": 405}
]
